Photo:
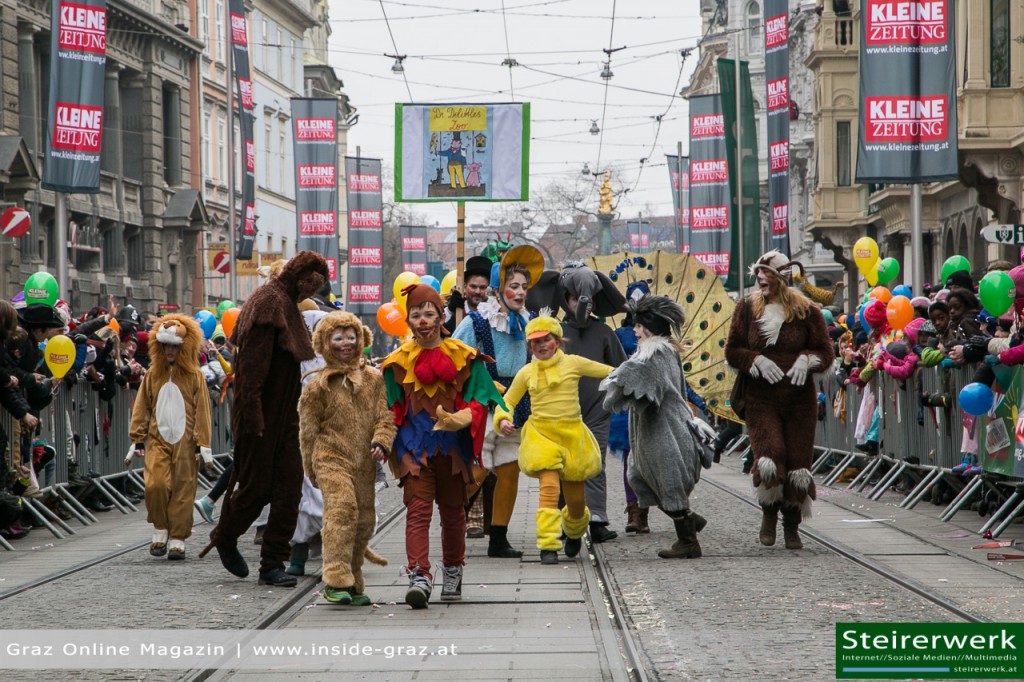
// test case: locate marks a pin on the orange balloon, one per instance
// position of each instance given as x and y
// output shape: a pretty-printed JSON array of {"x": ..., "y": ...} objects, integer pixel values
[
  {"x": 228, "y": 320},
  {"x": 899, "y": 312},
  {"x": 391, "y": 320},
  {"x": 115, "y": 326},
  {"x": 881, "y": 294}
]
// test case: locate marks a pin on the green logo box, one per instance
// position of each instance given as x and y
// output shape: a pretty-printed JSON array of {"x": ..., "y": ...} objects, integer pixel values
[{"x": 930, "y": 651}]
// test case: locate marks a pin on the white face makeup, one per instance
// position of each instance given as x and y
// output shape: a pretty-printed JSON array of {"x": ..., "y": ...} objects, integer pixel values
[{"x": 343, "y": 343}]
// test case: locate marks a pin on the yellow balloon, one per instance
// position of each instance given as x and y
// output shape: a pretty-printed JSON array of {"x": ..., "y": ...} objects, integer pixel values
[
  {"x": 448, "y": 282},
  {"x": 865, "y": 255},
  {"x": 402, "y": 281},
  {"x": 59, "y": 355}
]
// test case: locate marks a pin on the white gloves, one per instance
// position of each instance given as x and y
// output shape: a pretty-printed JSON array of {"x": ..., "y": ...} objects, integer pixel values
[
  {"x": 763, "y": 367},
  {"x": 206, "y": 456},
  {"x": 131, "y": 455},
  {"x": 705, "y": 431},
  {"x": 798, "y": 372}
]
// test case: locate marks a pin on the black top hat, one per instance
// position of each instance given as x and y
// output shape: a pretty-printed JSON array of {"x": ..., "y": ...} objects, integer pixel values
[
  {"x": 39, "y": 316},
  {"x": 478, "y": 266}
]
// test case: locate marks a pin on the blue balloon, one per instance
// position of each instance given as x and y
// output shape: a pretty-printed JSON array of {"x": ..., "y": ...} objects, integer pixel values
[
  {"x": 976, "y": 399},
  {"x": 207, "y": 322},
  {"x": 829, "y": 320},
  {"x": 431, "y": 281},
  {"x": 863, "y": 322},
  {"x": 903, "y": 290}
]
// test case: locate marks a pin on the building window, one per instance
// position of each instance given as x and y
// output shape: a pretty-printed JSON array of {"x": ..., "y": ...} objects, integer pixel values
[
  {"x": 222, "y": 143},
  {"x": 999, "y": 57},
  {"x": 286, "y": 168},
  {"x": 754, "y": 29},
  {"x": 218, "y": 22},
  {"x": 268, "y": 150},
  {"x": 239, "y": 150},
  {"x": 204, "y": 25},
  {"x": 136, "y": 254},
  {"x": 172, "y": 135},
  {"x": 279, "y": 50},
  {"x": 843, "y": 153},
  {"x": 207, "y": 142}
]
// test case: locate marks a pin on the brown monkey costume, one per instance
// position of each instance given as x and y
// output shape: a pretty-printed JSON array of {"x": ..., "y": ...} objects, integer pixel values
[
  {"x": 778, "y": 338},
  {"x": 272, "y": 340},
  {"x": 343, "y": 413}
]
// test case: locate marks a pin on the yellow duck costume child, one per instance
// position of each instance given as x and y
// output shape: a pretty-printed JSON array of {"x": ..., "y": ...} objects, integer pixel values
[
  {"x": 171, "y": 427},
  {"x": 343, "y": 416},
  {"x": 556, "y": 444}
]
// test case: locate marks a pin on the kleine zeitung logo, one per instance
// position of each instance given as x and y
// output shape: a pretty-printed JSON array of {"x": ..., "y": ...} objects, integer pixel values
[
  {"x": 778, "y": 93},
  {"x": 780, "y": 218},
  {"x": 250, "y": 220},
  {"x": 317, "y": 129},
  {"x": 707, "y": 125},
  {"x": 78, "y": 127},
  {"x": 316, "y": 222},
  {"x": 363, "y": 182},
  {"x": 778, "y": 153},
  {"x": 680, "y": 180},
  {"x": 245, "y": 87},
  {"x": 364, "y": 218},
  {"x": 717, "y": 261},
  {"x": 907, "y": 119},
  {"x": 332, "y": 269},
  {"x": 238, "y": 32},
  {"x": 250, "y": 155},
  {"x": 709, "y": 171},
  {"x": 414, "y": 244},
  {"x": 365, "y": 255},
  {"x": 776, "y": 32},
  {"x": 709, "y": 217},
  {"x": 82, "y": 28},
  {"x": 364, "y": 293},
  {"x": 901, "y": 22},
  {"x": 316, "y": 175}
]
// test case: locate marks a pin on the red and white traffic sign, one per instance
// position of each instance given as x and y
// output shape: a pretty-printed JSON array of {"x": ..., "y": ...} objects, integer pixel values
[
  {"x": 222, "y": 262},
  {"x": 15, "y": 222}
]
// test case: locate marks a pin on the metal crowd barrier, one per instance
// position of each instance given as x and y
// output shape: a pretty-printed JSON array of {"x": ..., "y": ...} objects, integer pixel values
[
  {"x": 94, "y": 433},
  {"x": 918, "y": 443}
]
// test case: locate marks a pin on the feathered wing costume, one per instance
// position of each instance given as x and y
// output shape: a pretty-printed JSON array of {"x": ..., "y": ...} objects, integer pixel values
[
  {"x": 343, "y": 412},
  {"x": 171, "y": 420},
  {"x": 667, "y": 444}
]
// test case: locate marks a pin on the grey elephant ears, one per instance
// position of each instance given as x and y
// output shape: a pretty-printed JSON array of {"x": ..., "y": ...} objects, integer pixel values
[
  {"x": 545, "y": 293},
  {"x": 608, "y": 300}
]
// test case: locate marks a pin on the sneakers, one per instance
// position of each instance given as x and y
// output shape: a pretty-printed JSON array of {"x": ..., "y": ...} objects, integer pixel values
[
  {"x": 974, "y": 470},
  {"x": 964, "y": 465},
  {"x": 452, "y": 588},
  {"x": 474, "y": 532},
  {"x": 205, "y": 508},
  {"x": 418, "y": 593},
  {"x": 296, "y": 567},
  {"x": 549, "y": 557},
  {"x": 344, "y": 596}
]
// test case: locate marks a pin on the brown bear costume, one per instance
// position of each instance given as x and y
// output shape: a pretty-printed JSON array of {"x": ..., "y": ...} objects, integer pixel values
[
  {"x": 781, "y": 407},
  {"x": 343, "y": 413},
  {"x": 272, "y": 340}
]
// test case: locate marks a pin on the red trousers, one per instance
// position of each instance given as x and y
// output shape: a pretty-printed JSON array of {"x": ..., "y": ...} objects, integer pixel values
[{"x": 435, "y": 482}]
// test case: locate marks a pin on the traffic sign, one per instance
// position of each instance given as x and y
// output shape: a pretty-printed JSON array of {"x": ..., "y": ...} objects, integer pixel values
[
  {"x": 15, "y": 222},
  {"x": 222, "y": 262},
  {"x": 1004, "y": 234}
]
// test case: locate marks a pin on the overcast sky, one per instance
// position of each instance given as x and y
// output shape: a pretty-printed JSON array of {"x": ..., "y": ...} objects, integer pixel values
[{"x": 454, "y": 52}]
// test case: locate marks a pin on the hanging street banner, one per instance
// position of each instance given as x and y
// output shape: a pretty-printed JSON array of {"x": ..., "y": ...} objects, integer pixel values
[
  {"x": 679, "y": 176},
  {"x": 907, "y": 131},
  {"x": 365, "y": 235},
  {"x": 751, "y": 228},
  {"x": 466, "y": 152},
  {"x": 243, "y": 97},
  {"x": 776, "y": 73},
  {"x": 315, "y": 144},
  {"x": 74, "y": 121},
  {"x": 414, "y": 248},
  {"x": 639, "y": 236},
  {"x": 709, "y": 185}
]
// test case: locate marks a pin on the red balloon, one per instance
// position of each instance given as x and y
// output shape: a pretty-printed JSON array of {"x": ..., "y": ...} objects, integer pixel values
[{"x": 392, "y": 320}]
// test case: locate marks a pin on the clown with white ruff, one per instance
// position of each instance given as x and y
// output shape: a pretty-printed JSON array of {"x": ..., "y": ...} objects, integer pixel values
[
  {"x": 170, "y": 427},
  {"x": 556, "y": 446}
]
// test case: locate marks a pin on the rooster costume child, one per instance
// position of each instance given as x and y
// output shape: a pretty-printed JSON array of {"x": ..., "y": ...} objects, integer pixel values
[
  {"x": 439, "y": 392},
  {"x": 778, "y": 338},
  {"x": 171, "y": 427},
  {"x": 343, "y": 418}
]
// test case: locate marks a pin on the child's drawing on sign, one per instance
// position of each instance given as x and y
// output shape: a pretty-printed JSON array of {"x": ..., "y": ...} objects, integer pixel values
[{"x": 457, "y": 155}]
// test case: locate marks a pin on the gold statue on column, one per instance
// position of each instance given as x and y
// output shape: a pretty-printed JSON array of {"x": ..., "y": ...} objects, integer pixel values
[{"x": 605, "y": 196}]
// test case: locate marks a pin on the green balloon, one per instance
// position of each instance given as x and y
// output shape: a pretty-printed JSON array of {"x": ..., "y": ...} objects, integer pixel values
[
  {"x": 996, "y": 291},
  {"x": 223, "y": 307},
  {"x": 41, "y": 288},
  {"x": 954, "y": 264},
  {"x": 888, "y": 270}
]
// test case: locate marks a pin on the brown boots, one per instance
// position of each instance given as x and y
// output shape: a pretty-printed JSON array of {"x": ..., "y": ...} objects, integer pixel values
[
  {"x": 687, "y": 546},
  {"x": 790, "y": 527},
  {"x": 636, "y": 519},
  {"x": 769, "y": 523}
]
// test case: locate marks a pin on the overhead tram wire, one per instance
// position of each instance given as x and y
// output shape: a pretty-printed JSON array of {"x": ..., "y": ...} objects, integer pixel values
[
  {"x": 508, "y": 52},
  {"x": 395, "y": 45},
  {"x": 604, "y": 109}
]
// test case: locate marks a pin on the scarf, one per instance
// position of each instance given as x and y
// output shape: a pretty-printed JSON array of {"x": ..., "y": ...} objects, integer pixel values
[
  {"x": 516, "y": 324},
  {"x": 549, "y": 368}
]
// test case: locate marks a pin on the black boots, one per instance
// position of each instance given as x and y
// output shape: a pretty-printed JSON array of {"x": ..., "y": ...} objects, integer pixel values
[
  {"x": 769, "y": 524},
  {"x": 498, "y": 547},
  {"x": 687, "y": 546},
  {"x": 790, "y": 527},
  {"x": 599, "y": 532}
]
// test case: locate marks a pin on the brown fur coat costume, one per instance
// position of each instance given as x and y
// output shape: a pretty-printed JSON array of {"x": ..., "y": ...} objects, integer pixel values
[
  {"x": 343, "y": 412},
  {"x": 781, "y": 417},
  {"x": 272, "y": 340},
  {"x": 171, "y": 417}
]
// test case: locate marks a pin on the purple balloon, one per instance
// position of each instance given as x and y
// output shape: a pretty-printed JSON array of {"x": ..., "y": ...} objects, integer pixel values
[{"x": 18, "y": 297}]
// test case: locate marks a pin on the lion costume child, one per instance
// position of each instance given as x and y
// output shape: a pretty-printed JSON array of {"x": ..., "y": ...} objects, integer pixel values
[
  {"x": 343, "y": 414},
  {"x": 171, "y": 426}
]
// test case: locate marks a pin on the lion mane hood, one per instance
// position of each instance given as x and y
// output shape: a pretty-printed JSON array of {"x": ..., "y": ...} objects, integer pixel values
[
  {"x": 328, "y": 325},
  {"x": 178, "y": 327}
]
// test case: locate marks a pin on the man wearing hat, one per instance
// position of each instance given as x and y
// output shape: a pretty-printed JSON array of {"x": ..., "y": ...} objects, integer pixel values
[
  {"x": 960, "y": 280},
  {"x": 497, "y": 329},
  {"x": 477, "y": 278},
  {"x": 439, "y": 391}
]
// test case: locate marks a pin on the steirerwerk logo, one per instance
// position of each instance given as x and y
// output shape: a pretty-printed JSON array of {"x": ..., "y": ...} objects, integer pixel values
[{"x": 930, "y": 651}]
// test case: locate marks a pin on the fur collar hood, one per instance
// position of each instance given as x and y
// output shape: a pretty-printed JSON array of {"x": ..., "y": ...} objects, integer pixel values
[
  {"x": 183, "y": 332},
  {"x": 331, "y": 323}
]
